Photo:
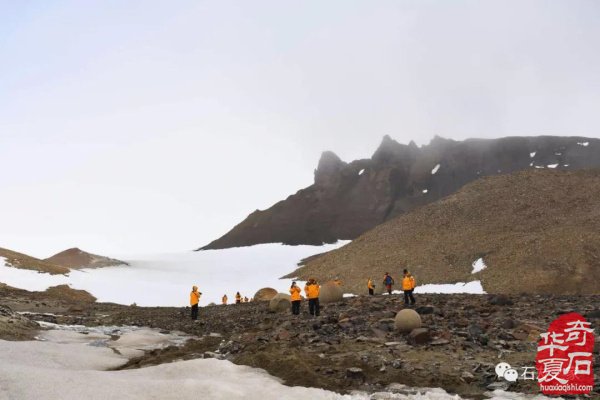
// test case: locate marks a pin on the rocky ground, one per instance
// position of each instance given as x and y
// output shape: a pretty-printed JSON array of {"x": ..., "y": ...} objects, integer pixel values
[{"x": 353, "y": 344}]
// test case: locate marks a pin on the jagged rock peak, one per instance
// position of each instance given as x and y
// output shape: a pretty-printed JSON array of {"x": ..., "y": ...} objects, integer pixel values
[
  {"x": 390, "y": 150},
  {"x": 328, "y": 169}
]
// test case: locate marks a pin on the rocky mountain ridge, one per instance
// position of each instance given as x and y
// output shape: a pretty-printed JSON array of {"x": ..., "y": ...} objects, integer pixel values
[
  {"x": 348, "y": 199},
  {"x": 535, "y": 231}
]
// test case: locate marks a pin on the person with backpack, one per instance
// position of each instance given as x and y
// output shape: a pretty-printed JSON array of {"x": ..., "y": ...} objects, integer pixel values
[
  {"x": 194, "y": 300},
  {"x": 371, "y": 287},
  {"x": 238, "y": 298},
  {"x": 388, "y": 282},
  {"x": 312, "y": 290},
  {"x": 408, "y": 286},
  {"x": 296, "y": 298}
]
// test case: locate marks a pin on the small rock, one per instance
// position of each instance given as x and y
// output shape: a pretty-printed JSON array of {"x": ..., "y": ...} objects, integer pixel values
[
  {"x": 424, "y": 310},
  {"x": 355, "y": 373},
  {"x": 500, "y": 300},
  {"x": 440, "y": 342},
  {"x": 498, "y": 386},
  {"x": 467, "y": 377},
  {"x": 419, "y": 336}
]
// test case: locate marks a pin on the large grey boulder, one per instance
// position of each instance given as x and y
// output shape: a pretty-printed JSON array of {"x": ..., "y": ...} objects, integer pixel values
[
  {"x": 280, "y": 302},
  {"x": 407, "y": 320}
]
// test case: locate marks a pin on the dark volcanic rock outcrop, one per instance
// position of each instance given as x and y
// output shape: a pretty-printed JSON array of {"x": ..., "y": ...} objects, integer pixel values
[{"x": 347, "y": 199}]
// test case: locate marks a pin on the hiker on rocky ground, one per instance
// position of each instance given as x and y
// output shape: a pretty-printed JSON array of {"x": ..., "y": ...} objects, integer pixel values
[
  {"x": 388, "y": 282},
  {"x": 194, "y": 300},
  {"x": 371, "y": 287},
  {"x": 312, "y": 289},
  {"x": 408, "y": 286},
  {"x": 296, "y": 298},
  {"x": 245, "y": 299},
  {"x": 224, "y": 300},
  {"x": 238, "y": 298}
]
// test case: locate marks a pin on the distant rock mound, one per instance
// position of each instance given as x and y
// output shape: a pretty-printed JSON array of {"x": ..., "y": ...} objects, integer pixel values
[
  {"x": 14, "y": 326},
  {"x": 534, "y": 231},
  {"x": 22, "y": 261},
  {"x": 348, "y": 199},
  {"x": 265, "y": 294},
  {"x": 75, "y": 259},
  {"x": 66, "y": 293}
]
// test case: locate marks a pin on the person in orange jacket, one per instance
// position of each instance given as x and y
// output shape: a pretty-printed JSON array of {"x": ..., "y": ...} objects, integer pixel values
[
  {"x": 238, "y": 298},
  {"x": 312, "y": 290},
  {"x": 296, "y": 298},
  {"x": 224, "y": 300},
  {"x": 371, "y": 287},
  {"x": 194, "y": 300},
  {"x": 408, "y": 286}
]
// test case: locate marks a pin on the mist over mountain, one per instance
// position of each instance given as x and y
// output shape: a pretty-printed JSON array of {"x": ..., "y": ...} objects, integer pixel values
[{"x": 349, "y": 198}]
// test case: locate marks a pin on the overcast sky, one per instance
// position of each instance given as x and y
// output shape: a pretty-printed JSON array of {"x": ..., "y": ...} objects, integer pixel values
[{"x": 151, "y": 126}]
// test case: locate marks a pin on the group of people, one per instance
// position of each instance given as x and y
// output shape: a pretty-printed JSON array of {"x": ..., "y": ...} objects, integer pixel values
[
  {"x": 312, "y": 290},
  {"x": 408, "y": 286},
  {"x": 238, "y": 299}
]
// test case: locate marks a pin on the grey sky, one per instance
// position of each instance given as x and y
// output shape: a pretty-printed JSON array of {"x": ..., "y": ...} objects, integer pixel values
[{"x": 148, "y": 126}]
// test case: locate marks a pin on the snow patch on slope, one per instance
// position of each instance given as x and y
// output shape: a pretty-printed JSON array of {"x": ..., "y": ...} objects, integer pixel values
[
  {"x": 435, "y": 169},
  {"x": 478, "y": 266},
  {"x": 473, "y": 287}
]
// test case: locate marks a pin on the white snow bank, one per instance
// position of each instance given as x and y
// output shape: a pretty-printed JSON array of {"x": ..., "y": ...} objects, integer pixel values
[
  {"x": 166, "y": 280},
  {"x": 532, "y": 154},
  {"x": 361, "y": 171},
  {"x": 435, "y": 169},
  {"x": 584, "y": 144},
  {"x": 473, "y": 287},
  {"x": 478, "y": 265},
  {"x": 552, "y": 165},
  {"x": 31, "y": 370}
]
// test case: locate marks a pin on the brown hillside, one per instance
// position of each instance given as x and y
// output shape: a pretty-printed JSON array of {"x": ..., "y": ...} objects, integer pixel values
[
  {"x": 22, "y": 261},
  {"x": 538, "y": 231},
  {"x": 75, "y": 258}
]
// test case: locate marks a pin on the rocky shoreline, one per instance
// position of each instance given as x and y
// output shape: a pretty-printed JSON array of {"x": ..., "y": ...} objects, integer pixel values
[{"x": 352, "y": 345}]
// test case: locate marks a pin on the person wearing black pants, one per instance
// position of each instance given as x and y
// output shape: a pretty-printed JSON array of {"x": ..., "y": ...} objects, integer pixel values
[
  {"x": 312, "y": 289},
  {"x": 194, "y": 300},
  {"x": 296, "y": 298},
  {"x": 371, "y": 287},
  {"x": 408, "y": 286},
  {"x": 313, "y": 307}
]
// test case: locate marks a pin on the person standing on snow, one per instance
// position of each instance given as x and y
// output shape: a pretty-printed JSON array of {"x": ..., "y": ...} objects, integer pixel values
[
  {"x": 296, "y": 298},
  {"x": 388, "y": 281},
  {"x": 194, "y": 300}
]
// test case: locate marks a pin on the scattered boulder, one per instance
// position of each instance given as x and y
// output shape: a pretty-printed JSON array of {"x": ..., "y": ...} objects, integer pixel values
[
  {"x": 407, "y": 320},
  {"x": 424, "y": 310},
  {"x": 330, "y": 292},
  {"x": 355, "y": 374},
  {"x": 280, "y": 302},
  {"x": 265, "y": 294},
  {"x": 593, "y": 314},
  {"x": 500, "y": 300},
  {"x": 419, "y": 336}
]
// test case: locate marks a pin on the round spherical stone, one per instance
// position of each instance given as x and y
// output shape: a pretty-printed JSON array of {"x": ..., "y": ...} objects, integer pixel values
[
  {"x": 265, "y": 294},
  {"x": 330, "y": 293},
  {"x": 280, "y": 303},
  {"x": 407, "y": 320}
]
